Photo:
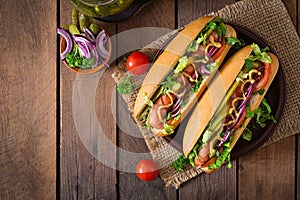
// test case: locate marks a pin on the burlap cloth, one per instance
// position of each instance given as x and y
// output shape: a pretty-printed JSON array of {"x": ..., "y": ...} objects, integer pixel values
[{"x": 268, "y": 18}]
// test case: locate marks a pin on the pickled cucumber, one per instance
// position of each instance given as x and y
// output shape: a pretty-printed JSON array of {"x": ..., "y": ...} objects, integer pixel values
[
  {"x": 75, "y": 19},
  {"x": 73, "y": 29},
  {"x": 94, "y": 28},
  {"x": 84, "y": 21}
]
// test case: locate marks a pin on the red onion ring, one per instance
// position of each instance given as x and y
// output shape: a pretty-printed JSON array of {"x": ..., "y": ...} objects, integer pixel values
[
  {"x": 175, "y": 114},
  {"x": 204, "y": 71},
  {"x": 85, "y": 46},
  {"x": 89, "y": 34},
  {"x": 176, "y": 107},
  {"x": 212, "y": 51},
  {"x": 101, "y": 41},
  {"x": 69, "y": 42},
  {"x": 241, "y": 110}
]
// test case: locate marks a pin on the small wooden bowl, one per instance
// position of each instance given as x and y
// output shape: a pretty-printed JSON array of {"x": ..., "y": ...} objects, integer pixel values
[{"x": 63, "y": 45}]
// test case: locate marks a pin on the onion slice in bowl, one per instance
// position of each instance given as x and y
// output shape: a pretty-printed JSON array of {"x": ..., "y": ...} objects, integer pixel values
[
  {"x": 85, "y": 46},
  {"x": 93, "y": 49},
  {"x": 69, "y": 42},
  {"x": 95, "y": 56},
  {"x": 89, "y": 35},
  {"x": 101, "y": 41}
]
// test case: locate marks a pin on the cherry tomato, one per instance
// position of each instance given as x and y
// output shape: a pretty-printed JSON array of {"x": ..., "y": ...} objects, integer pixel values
[
  {"x": 137, "y": 63},
  {"x": 263, "y": 81},
  {"x": 146, "y": 170}
]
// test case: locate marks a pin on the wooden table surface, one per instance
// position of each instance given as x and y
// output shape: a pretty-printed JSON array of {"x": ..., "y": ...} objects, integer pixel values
[{"x": 42, "y": 155}]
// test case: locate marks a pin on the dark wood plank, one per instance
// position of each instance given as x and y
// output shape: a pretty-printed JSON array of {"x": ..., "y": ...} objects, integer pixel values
[
  {"x": 130, "y": 139},
  {"x": 83, "y": 176},
  {"x": 297, "y": 137},
  {"x": 270, "y": 172},
  {"x": 298, "y": 19},
  {"x": 106, "y": 176},
  {"x": 28, "y": 100},
  {"x": 221, "y": 184},
  {"x": 189, "y": 10}
]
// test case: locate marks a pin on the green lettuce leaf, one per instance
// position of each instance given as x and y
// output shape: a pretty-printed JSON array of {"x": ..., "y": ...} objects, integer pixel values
[
  {"x": 148, "y": 101},
  {"x": 260, "y": 55},
  {"x": 247, "y": 134},
  {"x": 168, "y": 129},
  {"x": 232, "y": 41},
  {"x": 180, "y": 163},
  {"x": 225, "y": 156},
  {"x": 182, "y": 63}
]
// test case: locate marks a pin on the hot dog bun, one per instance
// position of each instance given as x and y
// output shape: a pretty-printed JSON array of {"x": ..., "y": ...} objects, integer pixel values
[
  {"x": 167, "y": 61},
  {"x": 191, "y": 137},
  {"x": 212, "y": 97},
  {"x": 255, "y": 101}
]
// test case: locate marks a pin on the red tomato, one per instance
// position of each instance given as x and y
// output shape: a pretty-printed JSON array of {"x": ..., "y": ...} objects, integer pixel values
[
  {"x": 211, "y": 161},
  {"x": 137, "y": 63},
  {"x": 220, "y": 50},
  {"x": 241, "y": 120},
  {"x": 263, "y": 81},
  {"x": 146, "y": 170}
]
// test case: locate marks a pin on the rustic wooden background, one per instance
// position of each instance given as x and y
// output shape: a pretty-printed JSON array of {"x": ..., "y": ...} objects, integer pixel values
[{"x": 42, "y": 156}]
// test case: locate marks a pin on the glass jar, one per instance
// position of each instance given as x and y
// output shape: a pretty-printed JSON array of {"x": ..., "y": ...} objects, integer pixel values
[{"x": 98, "y": 8}]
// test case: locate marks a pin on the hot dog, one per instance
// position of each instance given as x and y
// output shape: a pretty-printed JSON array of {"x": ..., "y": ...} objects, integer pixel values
[
  {"x": 181, "y": 73},
  {"x": 212, "y": 131}
]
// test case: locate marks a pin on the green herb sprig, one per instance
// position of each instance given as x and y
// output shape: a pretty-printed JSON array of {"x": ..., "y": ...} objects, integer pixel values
[{"x": 125, "y": 87}]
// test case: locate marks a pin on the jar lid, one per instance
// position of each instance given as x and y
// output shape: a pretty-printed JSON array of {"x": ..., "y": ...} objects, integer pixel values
[{"x": 97, "y": 2}]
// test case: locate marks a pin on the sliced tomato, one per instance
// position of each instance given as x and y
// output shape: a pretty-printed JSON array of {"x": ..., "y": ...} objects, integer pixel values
[
  {"x": 220, "y": 50},
  {"x": 209, "y": 162},
  {"x": 241, "y": 120},
  {"x": 197, "y": 162},
  {"x": 263, "y": 81}
]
